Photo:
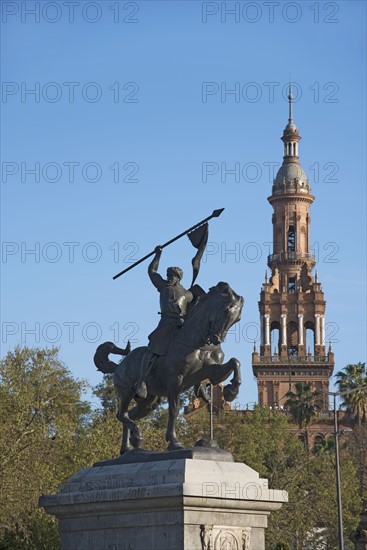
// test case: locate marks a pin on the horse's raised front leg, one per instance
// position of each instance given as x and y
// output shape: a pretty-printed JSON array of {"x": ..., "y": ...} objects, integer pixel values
[
  {"x": 219, "y": 373},
  {"x": 173, "y": 408}
]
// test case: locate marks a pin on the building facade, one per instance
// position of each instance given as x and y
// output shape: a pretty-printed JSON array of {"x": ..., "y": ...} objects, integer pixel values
[{"x": 292, "y": 304}]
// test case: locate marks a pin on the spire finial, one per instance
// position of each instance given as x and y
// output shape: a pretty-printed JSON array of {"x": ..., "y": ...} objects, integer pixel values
[
  {"x": 291, "y": 127},
  {"x": 290, "y": 99}
]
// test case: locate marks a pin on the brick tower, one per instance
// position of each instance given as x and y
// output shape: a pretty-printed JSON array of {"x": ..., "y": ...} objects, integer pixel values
[{"x": 292, "y": 305}]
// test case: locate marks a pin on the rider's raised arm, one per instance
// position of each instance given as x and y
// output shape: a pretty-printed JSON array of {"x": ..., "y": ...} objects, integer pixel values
[{"x": 156, "y": 279}]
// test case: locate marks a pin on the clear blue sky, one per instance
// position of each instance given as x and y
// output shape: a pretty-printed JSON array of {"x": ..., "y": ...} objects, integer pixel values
[{"x": 143, "y": 87}]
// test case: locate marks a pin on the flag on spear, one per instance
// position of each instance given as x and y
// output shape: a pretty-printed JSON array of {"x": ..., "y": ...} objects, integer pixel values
[
  {"x": 198, "y": 238},
  {"x": 198, "y": 235}
]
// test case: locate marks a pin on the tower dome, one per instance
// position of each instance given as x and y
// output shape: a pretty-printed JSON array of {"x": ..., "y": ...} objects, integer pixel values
[{"x": 291, "y": 176}]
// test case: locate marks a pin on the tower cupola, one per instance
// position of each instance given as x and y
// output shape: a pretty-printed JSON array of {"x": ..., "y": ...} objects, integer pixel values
[{"x": 291, "y": 175}]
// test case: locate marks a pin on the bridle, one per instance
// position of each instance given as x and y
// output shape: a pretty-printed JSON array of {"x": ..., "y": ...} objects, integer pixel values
[{"x": 215, "y": 326}]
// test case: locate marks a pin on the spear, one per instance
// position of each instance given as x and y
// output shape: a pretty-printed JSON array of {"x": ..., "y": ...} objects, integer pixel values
[{"x": 215, "y": 214}]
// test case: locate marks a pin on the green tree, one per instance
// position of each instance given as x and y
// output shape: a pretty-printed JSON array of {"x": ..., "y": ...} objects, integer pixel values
[
  {"x": 261, "y": 439},
  {"x": 356, "y": 447},
  {"x": 106, "y": 393},
  {"x": 325, "y": 446},
  {"x": 48, "y": 432},
  {"x": 44, "y": 421},
  {"x": 353, "y": 379},
  {"x": 303, "y": 405}
]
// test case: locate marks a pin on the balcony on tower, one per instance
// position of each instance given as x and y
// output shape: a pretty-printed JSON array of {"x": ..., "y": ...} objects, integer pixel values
[{"x": 292, "y": 257}]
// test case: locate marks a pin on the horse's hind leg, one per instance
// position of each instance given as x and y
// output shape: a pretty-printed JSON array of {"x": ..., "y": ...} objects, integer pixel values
[
  {"x": 135, "y": 434},
  {"x": 173, "y": 408},
  {"x": 125, "y": 446},
  {"x": 128, "y": 426},
  {"x": 123, "y": 407},
  {"x": 144, "y": 407}
]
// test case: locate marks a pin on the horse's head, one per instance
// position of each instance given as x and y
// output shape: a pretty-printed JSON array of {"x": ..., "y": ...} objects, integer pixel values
[{"x": 224, "y": 310}]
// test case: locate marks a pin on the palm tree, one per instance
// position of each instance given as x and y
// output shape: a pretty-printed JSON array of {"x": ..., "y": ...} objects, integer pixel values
[
  {"x": 303, "y": 405},
  {"x": 327, "y": 446},
  {"x": 354, "y": 377}
]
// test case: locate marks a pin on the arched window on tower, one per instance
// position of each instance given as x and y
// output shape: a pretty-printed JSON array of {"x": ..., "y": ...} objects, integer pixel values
[
  {"x": 292, "y": 339},
  {"x": 310, "y": 337},
  {"x": 291, "y": 239},
  {"x": 275, "y": 337}
]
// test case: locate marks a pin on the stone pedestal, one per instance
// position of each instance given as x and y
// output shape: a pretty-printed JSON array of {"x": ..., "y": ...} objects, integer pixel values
[{"x": 171, "y": 504}]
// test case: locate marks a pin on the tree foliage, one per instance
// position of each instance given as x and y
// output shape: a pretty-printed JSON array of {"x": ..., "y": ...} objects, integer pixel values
[
  {"x": 43, "y": 419},
  {"x": 106, "y": 393},
  {"x": 302, "y": 404},
  {"x": 262, "y": 439},
  {"x": 353, "y": 381},
  {"x": 49, "y": 431}
]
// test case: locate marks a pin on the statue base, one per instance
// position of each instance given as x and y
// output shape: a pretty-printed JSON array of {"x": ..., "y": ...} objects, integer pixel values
[
  {"x": 203, "y": 451},
  {"x": 201, "y": 502}
]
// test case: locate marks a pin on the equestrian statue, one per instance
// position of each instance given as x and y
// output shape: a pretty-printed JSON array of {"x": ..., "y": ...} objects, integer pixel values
[{"x": 183, "y": 351}]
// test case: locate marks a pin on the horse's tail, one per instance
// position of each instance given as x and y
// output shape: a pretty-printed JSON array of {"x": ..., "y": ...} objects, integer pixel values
[{"x": 101, "y": 360}]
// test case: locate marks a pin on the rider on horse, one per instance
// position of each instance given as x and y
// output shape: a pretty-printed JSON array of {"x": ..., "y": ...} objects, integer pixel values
[{"x": 173, "y": 302}]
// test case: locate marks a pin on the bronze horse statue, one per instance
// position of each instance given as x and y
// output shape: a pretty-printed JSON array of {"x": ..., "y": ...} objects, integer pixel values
[{"x": 194, "y": 355}]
